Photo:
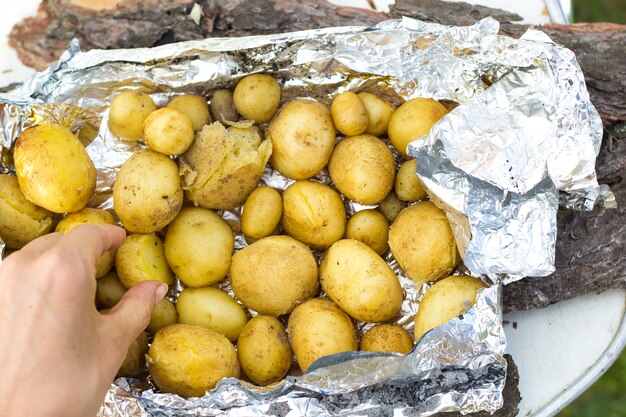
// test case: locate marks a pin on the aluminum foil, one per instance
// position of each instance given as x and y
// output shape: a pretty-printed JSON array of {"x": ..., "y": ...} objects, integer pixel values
[{"x": 457, "y": 367}]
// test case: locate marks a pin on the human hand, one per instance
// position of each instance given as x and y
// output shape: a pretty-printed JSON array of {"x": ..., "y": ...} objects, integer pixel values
[{"x": 58, "y": 354}]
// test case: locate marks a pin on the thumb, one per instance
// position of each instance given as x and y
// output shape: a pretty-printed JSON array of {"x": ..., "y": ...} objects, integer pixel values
[{"x": 131, "y": 314}]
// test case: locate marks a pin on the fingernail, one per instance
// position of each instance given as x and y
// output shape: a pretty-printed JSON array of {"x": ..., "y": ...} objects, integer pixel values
[{"x": 160, "y": 292}]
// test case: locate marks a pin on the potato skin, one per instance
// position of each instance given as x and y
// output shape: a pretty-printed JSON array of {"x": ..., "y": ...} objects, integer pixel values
[
  {"x": 194, "y": 107},
  {"x": 379, "y": 112},
  {"x": 412, "y": 120},
  {"x": 142, "y": 258},
  {"x": 199, "y": 246},
  {"x": 135, "y": 357},
  {"x": 387, "y": 338},
  {"x": 147, "y": 193},
  {"x": 360, "y": 282},
  {"x": 422, "y": 242},
  {"x": 223, "y": 107},
  {"x": 257, "y": 97},
  {"x": 349, "y": 114},
  {"x": 189, "y": 360},
  {"x": 274, "y": 274},
  {"x": 263, "y": 350},
  {"x": 20, "y": 220},
  {"x": 363, "y": 169},
  {"x": 211, "y": 308},
  {"x": 222, "y": 167},
  {"x": 128, "y": 111},
  {"x": 408, "y": 187},
  {"x": 303, "y": 137},
  {"x": 313, "y": 213},
  {"x": 370, "y": 227},
  {"x": 53, "y": 168},
  {"x": 446, "y": 299},
  {"x": 319, "y": 328},
  {"x": 163, "y": 315},
  {"x": 262, "y": 212},
  {"x": 91, "y": 216},
  {"x": 168, "y": 131},
  {"x": 109, "y": 290},
  {"x": 391, "y": 206}
]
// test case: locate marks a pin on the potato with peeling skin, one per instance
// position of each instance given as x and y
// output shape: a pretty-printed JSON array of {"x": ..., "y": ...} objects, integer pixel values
[
  {"x": 20, "y": 220},
  {"x": 211, "y": 308},
  {"x": 319, "y": 328},
  {"x": 448, "y": 298},
  {"x": 313, "y": 213},
  {"x": 142, "y": 258},
  {"x": 262, "y": 212},
  {"x": 363, "y": 169},
  {"x": 274, "y": 274},
  {"x": 147, "y": 193},
  {"x": 379, "y": 113},
  {"x": 360, "y": 282},
  {"x": 198, "y": 246},
  {"x": 408, "y": 186},
  {"x": 168, "y": 131},
  {"x": 109, "y": 290},
  {"x": 222, "y": 167},
  {"x": 163, "y": 315},
  {"x": 422, "y": 242},
  {"x": 387, "y": 338},
  {"x": 349, "y": 114},
  {"x": 194, "y": 107},
  {"x": 128, "y": 111},
  {"x": 412, "y": 120},
  {"x": 53, "y": 168},
  {"x": 257, "y": 97},
  {"x": 263, "y": 350},
  {"x": 303, "y": 137},
  {"x": 189, "y": 360},
  {"x": 91, "y": 216},
  {"x": 370, "y": 227}
]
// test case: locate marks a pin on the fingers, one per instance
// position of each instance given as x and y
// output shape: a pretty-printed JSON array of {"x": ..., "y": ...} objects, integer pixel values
[
  {"x": 90, "y": 241},
  {"x": 132, "y": 314},
  {"x": 38, "y": 246}
]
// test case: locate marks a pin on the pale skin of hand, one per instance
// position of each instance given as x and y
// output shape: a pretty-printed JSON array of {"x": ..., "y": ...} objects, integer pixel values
[{"x": 58, "y": 354}]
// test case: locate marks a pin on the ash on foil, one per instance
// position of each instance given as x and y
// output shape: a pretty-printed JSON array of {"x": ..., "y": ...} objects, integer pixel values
[{"x": 494, "y": 164}]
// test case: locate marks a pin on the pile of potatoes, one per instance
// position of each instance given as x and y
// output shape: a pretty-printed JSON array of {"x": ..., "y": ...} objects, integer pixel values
[{"x": 308, "y": 272}]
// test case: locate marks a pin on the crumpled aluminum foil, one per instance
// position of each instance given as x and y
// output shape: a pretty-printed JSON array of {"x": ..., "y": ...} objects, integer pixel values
[{"x": 457, "y": 367}]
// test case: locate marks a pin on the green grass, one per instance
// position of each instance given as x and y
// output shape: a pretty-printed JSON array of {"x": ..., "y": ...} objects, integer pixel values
[{"x": 607, "y": 397}]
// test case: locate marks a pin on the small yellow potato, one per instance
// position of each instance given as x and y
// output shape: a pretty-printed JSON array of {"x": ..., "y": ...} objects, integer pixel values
[
  {"x": 198, "y": 246},
  {"x": 163, "y": 315},
  {"x": 142, "y": 258},
  {"x": 379, "y": 112},
  {"x": 370, "y": 227},
  {"x": 168, "y": 131},
  {"x": 303, "y": 137},
  {"x": 20, "y": 220},
  {"x": 147, "y": 193},
  {"x": 448, "y": 298},
  {"x": 53, "y": 168},
  {"x": 263, "y": 350},
  {"x": 422, "y": 242},
  {"x": 189, "y": 360},
  {"x": 212, "y": 308},
  {"x": 273, "y": 275},
  {"x": 91, "y": 216},
  {"x": 223, "y": 107},
  {"x": 313, "y": 213},
  {"x": 222, "y": 167},
  {"x": 194, "y": 107},
  {"x": 261, "y": 213},
  {"x": 135, "y": 357},
  {"x": 257, "y": 97},
  {"x": 319, "y": 328},
  {"x": 413, "y": 120},
  {"x": 363, "y": 169},
  {"x": 391, "y": 206},
  {"x": 129, "y": 110},
  {"x": 360, "y": 282},
  {"x": 349, "y": 114},
  {"x": 387, "y": 338},
  {"x": 408, "y": 186},
  {"x": 109, "y": 290}
]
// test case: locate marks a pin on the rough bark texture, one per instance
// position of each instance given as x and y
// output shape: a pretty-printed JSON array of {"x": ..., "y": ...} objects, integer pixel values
[{"x": 591, "y": 246}]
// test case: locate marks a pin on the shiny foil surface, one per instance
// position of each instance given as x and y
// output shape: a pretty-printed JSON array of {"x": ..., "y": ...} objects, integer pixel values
[{"x": 508, "y": 90}]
